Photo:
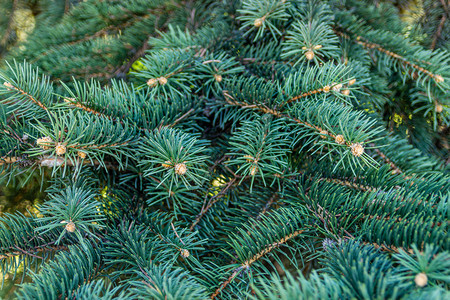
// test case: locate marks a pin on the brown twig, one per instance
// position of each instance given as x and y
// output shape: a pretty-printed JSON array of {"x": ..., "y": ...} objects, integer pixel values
[
  {"x": 51, "y": 161},
  {"x": 182, "y": 117},
  {"x": 440, "y": 26},
  {"x": 269, "y": 203},
  {"x": 394, "y": 167},
  {"x": 12, "y": 87},
  {"x": 40, "y": 249},
  {"x": 438, "y": 31},
  {"x": 214, "y": 199},
  {"x": 253, "y": 259},
  {"x": 386, "y": 248},
  {"x": 230, "y": 100},
  {"x": 369, "y": 45}
]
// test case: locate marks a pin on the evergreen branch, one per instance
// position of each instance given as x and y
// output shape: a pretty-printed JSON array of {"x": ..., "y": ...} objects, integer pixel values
[
  {"x": 386, "y": 248},
  {"x": 403, "y": 60},
  {"x": 261, "y": 15},
  {"x": 230, "y": 100},
  {"x": 86, "y": 38},
  {"x": 214, "y": 199},
  {"x": 73, "y": 102},
  {"x": 165, "y": 281},
  {"x": 324, "y": 89},
  {"x": 253, "y": 259},
  {"x": 181, "y": 118},
  {"x": 437, "y": 34},
  {"x": 319, "y": 214},
  {"x": 395, "y": 169},
  {"x": 61, "y": 278},
  {"x": 369, "y": 45},
  {"x": 256, "y": 60},
  {"x": 124, "y": 68},
  {"x": 230, "y": 159},
  {"x": 268, "y": 204},
  {"x": 46, "y": 248},
  {"x": 34, "y": 100},
  {"x": 12, "y": 133},
  {"x": 349, "y": 184},
  {"x": 438, "y": 31},
  {"x": 305, "y": 94},
  {"x": 52, "y": 161},
  {"x": 93, "y": 146},
  {"x": 271, "y": 247}
]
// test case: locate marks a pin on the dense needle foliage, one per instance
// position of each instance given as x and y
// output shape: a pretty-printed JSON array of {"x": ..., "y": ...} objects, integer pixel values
[{"x": 235, "y": 149}]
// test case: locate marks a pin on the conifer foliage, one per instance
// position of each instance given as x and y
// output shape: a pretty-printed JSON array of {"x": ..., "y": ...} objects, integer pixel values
[{"x": 236, "y": 149}]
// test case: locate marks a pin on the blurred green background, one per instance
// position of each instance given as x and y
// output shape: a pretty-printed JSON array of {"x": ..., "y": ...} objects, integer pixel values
[{"x": 18, "y": 19}]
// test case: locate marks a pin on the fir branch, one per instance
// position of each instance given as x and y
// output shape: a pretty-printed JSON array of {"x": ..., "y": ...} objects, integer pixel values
[
  {"x": 126, "y": 67},
  {"x": 395, "y": 169},
  {"x": 11, "y": 87},
  {"x": 403, "y": 60},
  {"x": 93, "y": 146},
  {"x": 95, "y": 35},
  {"x": 367, "y": 44},
  {"x": 388, "y": 248},
  {"x": 32, "y": 252},
  {"x": 230, "y": 100},
  {"x": 214, "y": 199},
  {"x": 325, "y": 89},
  {"x": 174, "y": 123},
  {"x": 75, "y": 103},
  {"x": 438, "y": 31},
  {"x": 349, "y": 184},
  {"x": 272, "y": 199},
  {"x": 256, "y": 257},
  {"x": 52, "y": 161},
  {"x": 437, "y": 34}
]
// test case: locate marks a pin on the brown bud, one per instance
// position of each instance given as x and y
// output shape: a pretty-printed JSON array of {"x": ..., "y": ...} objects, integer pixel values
[
  {"x": 345, "y": 92},
  {"x": 253, "y": 170},
  {"x": 421, "y": 279},
  {"x": 324, "y": 134},
  {"x": 152, "y": 82},
  {"x": 357, "y": 149},
  {"x": 167, "y": 164},
  {"x": 81, "y": 154},
  {"x": 8, "y": 85},
  {"x": 317, "y": 47},
  {"x": 218, "y": 77},
  {"x": 309, "y": 55},
  {"x": 185, "y": 253},
  {"x": 180, "y": 168},
  {"x": 438, "y": 108},
  {"x": 70, "y": 227},
  {"x": 337, "y": 87},
  {"x": 249, "y": 158},
  {"x": 60, "y": 149},
  {"x": 69, "y": 100},
  {"x": 44, "y": 142},
  {"x": 258, "y": 22},
  {"x": 339, "y": 139},
  {"x": 326, "y": 89},
  {"x": 162, "y": 80},
  {"x": 352, "y": 81},
  {"x": 438, "y": 78}
]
